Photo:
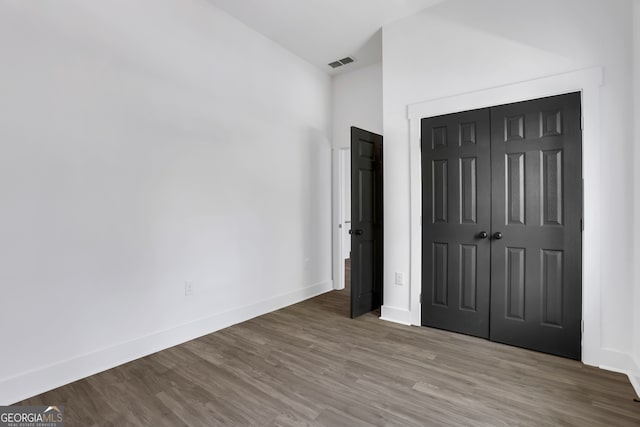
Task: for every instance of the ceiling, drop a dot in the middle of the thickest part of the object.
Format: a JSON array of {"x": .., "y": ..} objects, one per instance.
[{"x": 323, "y": 31}]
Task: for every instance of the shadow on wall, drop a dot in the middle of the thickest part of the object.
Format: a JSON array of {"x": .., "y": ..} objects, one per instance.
[
  {"x": 371, "y": 51},
  {"x": 488, "y": 17}
]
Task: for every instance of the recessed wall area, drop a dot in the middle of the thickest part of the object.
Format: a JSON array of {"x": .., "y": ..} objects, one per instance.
[{"x": 484, "y": 50}]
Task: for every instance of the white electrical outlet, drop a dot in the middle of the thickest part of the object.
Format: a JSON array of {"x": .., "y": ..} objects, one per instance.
[
  {"x": 188, "y": 289},
  {"x": 399, "y": 279}
]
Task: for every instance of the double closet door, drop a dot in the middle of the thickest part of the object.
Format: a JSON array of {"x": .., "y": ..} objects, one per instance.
[{"x": 502, "y": 224}]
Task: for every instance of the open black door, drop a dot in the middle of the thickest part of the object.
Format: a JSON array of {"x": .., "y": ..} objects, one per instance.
[{"x": 366, "y": 221}]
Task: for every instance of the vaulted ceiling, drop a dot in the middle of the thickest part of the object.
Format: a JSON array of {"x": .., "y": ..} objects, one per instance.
[{"x": 322, "y": 31}]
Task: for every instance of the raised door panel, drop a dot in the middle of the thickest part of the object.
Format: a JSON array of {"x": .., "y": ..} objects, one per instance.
[
  {"x": 550, "y": 123},
  {"x": 440, "y": 274},
  {"x": 440, "y": 191},
  {"x": 552, "y": 282},
  {"x": 467, "y": 133},
  {"x": 551, "y": 195},
  {"x": 514, "y": 128},
  {"x": 515, "y": 191},
  {"x": 468, "y": 277},
  {"x": 439, "y": 137},
  {"x": 515, "y": 283},
  {"x": 468, "y": 190}
]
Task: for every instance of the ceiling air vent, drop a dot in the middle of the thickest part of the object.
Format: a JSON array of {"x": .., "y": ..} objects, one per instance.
[{"x": 341, "y": 62}]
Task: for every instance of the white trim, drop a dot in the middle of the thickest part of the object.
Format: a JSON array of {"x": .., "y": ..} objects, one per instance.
[
  {"x": 634, "y": 375},
  {"x": 415, "y": 251},
  {"x": 342, "y": 155},
  {"x": 588, "y": 82},
  {"x": 616, "y": 361},
  {"x": 395, "y": 315},
  {"x": 635, "y": 383},
  {"x": 28, "y": 384}
]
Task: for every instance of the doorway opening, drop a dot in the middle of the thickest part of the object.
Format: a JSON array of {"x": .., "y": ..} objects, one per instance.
[{"x": 344, "y": 219}]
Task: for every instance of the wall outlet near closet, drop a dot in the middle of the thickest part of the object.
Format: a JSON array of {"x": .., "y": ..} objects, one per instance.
[
  {"x": 188, "y": 289},
  {"x": 399, "y": 278}
]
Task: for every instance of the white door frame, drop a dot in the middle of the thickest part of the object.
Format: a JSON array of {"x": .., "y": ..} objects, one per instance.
[{"x": 588, "y": 82}]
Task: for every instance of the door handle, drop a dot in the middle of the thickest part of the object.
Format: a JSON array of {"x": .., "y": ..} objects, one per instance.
[
  {"x": 357, "y": 232},
  {"x": 483, "y": 235},
  {"x": 497, "y": 235}
]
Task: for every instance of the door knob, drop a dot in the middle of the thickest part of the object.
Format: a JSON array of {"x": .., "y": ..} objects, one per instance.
[
  {"x": 497, "y": 235},
  {"x": 357, "y": 232},
  {"x": 483, "y": 235}
]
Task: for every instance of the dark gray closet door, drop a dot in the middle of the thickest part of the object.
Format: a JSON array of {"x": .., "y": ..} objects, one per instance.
[
  {"x": 514, "y": 172},
  {"x": 456, "y": 221},
  {"x": 536, "y": 275}
]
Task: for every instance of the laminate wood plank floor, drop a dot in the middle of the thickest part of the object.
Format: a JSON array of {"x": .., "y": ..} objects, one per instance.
[{"x": 310, "y": 365}]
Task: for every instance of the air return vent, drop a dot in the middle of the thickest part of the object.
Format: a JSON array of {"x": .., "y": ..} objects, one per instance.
[{"x": 341, "y": 62}]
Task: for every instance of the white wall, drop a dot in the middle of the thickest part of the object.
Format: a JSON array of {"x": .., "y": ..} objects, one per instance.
[
  {"x": 357, "y": 101},
  {"x": 462, "y": 46},
  {"x": 636, "y": 120},
  {"x": 144, "y": 145}
]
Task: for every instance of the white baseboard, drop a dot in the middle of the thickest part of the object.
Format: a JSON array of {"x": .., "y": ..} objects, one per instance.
[
  {"x": 634, "y": 376},
  {"x": 37, "y": 381},
  {"x": 396, "y": 315},
  {"x": 635, "y": 382},
  {"x": 617, "y": 361}
]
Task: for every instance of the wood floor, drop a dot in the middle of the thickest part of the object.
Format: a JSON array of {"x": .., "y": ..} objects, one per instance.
[{"x": 309, "y": 364}]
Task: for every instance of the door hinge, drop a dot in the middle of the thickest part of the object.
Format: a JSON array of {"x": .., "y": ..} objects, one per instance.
[
  {"x": 582, "y": 326},
  {"x": 581, "y": 122},
  {"x": 581, "y": 225},
  {"x": 420, "y": 298}
]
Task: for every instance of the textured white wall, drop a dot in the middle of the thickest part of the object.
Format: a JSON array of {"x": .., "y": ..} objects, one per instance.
[
  {"x": 143, "y": 145},
  {"x": 463, "y": 46}
]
